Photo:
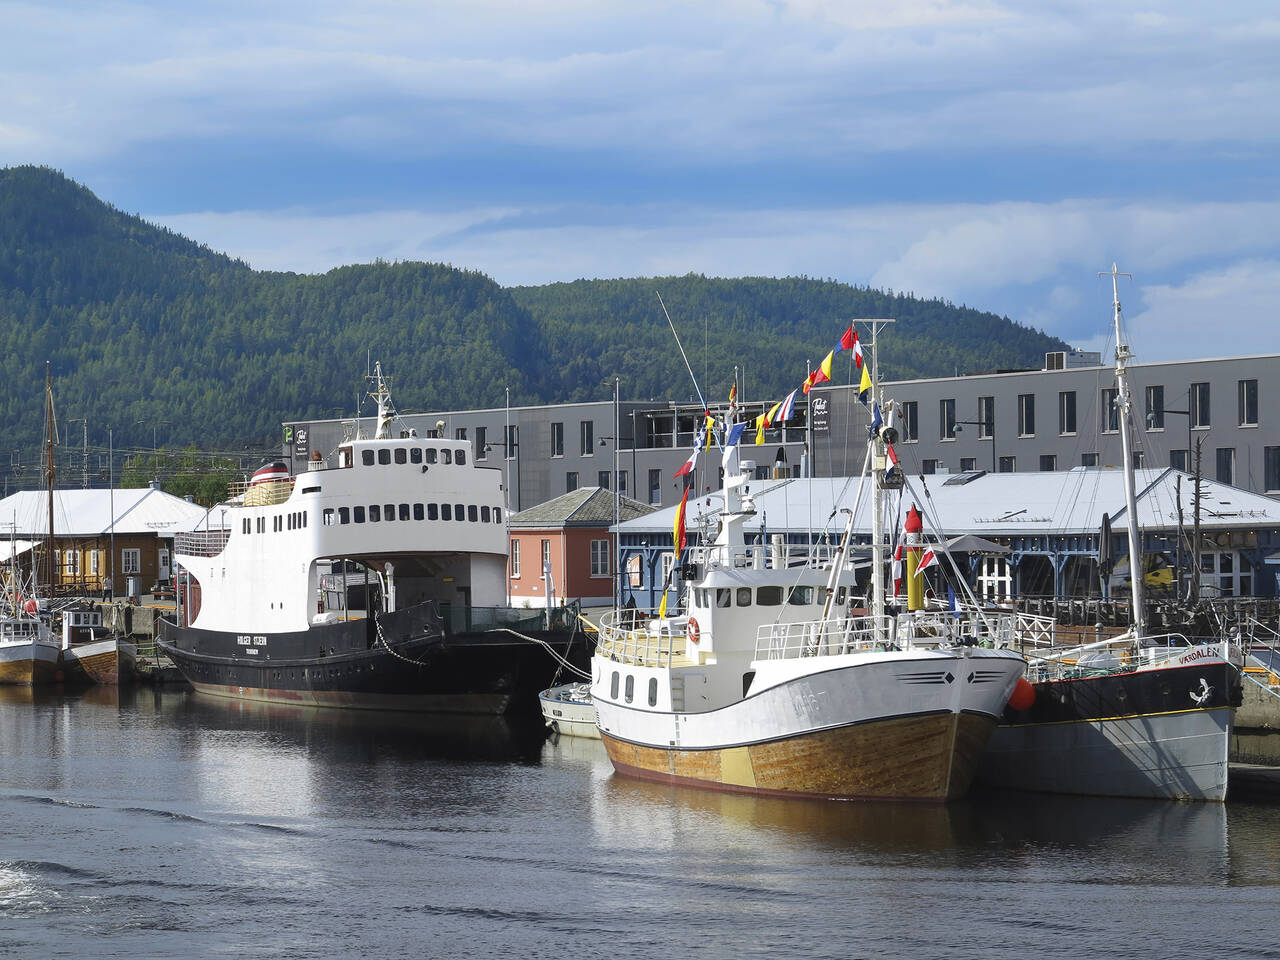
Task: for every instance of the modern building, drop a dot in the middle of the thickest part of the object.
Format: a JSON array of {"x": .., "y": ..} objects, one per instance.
[
  {"x": 563, "y": 550},
  {"x": 1027, "y": 421}
]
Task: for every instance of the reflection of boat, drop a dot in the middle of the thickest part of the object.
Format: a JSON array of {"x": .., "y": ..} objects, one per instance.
[
  {"x": 1133, "y": 716},
  {"x": 569, "y": 711},
  {"x": 773, "y": 685},
  {"x": 363, "y": 586},
  {"x": 89, "y": 654}
]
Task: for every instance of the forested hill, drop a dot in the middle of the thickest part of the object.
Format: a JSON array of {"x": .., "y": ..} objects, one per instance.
[{"x": 157, "y": 336}]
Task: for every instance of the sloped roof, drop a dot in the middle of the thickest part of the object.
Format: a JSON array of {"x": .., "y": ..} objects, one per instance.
[
  {"x": 90, "y": 513},
  {"x": 992, "y": 504},
  {"x": 584, "y": 507}
]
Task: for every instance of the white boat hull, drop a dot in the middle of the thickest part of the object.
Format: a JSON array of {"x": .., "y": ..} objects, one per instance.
[
  {"x": 568, "y": 717},
  {"x": 29, "y": 662},
  {"x": 862, "y": 725}
]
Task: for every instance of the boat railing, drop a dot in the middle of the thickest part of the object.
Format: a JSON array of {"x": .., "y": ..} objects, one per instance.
[
  {"x": 760, "y": 555},
  {"x": 201, "y": 543},
  {"x": 635, "y": 637},
  {"x": 822, "y": 638},
  {"x": 1261, "y": 649},
  {"x": 1114, "y": 654}
]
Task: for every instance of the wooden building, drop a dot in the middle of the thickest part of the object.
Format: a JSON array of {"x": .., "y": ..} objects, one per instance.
[{"x": 98, "y": 535}]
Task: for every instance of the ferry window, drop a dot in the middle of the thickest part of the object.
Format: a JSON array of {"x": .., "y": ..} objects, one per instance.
[
  {"x": 328, "y": 517},
  {"x": 613, "y": 686},
  {"x": 723, "y": 596},
  {"x": 289, "y": 520},
  {"x": 653, "y": 691},
  {"x": 389, "y": 511},
  {"x": 473, "y": 514},
  {"x": 384, "y": 456},
  {"x": 800, "y": 596},
  {"x": 433, "y": 511},
  {"x": 357, "y": 514},
  {"x": 417, "y": 511},
  {"x": 497, "y": 514},
  {"x": 344, "y": 515},
  {"x": 459, "y": 512},
  {"x": 446, "y": 456},
  {"x": 630, "y": 688},
  {"x": 415, "y": 455},
  {"x": 460, "y": 458},
  {"x": 430, "y": 454},
  {"x": 244, "y": 525},
  {"x": 769, "y": 596},
  {"x": 484, "y": 515},
  {"x": 404, "y": 511},
  {"x": 304, "y": 518},
  {"x": 366, "y": 457},
  {"x": 262, "y": 524},
  {"x": 402, "y": 455},
  {"x": 446, "y": 511},
  {"x": 375, "y": 513},
  {"x": 744, "y": 597}
]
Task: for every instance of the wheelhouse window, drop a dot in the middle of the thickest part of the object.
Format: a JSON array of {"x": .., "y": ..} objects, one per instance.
[
  {"x": 431, "y": 454},
  {"x": 401, "y": 455},
  {"x": 366, "y": 457},
  {"x": 384, "y": 456},
  {"x": 357, "y": 514}
]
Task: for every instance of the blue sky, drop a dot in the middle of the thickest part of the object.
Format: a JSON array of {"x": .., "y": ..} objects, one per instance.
[{"x": 995, "y": 154}]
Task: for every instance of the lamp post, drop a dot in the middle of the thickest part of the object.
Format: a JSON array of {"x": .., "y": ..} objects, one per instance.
[{"x": 990, "y": 426}]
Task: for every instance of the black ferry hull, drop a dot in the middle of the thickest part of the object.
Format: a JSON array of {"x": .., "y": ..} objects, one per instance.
[{"x": 406, "y": 660}]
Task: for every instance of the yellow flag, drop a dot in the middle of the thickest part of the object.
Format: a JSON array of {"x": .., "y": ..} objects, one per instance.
[
  {"x": 760, "y": 430},
  {"x": 865, "y": 386}
]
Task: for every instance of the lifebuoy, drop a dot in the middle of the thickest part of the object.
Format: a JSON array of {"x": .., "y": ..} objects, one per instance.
[{"x": 693, "y": 630}]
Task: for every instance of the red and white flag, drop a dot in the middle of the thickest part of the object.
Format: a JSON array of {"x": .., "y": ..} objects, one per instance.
[
  {"x": 897, "y": 568},
  {"x": 926, "y": 561}
]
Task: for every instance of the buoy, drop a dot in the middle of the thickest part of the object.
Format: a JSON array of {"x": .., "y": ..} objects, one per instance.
[
  {"x": 693, "y": 632},
  {"x": 30, "y": 606},
  {"x": 1023, "y": 696}
]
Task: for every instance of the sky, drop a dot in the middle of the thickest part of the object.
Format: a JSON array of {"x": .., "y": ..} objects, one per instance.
[{"x": 992, "y": 154}]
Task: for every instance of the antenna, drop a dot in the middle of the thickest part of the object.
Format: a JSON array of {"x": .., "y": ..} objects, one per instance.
[{"x": 682, "y": 353}]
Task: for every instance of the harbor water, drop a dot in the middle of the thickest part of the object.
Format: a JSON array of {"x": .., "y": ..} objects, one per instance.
[{"x": 144, "y": 823}]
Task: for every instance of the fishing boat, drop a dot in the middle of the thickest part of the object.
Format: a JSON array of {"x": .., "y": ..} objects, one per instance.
[
  {"x": 569, "y": 711},
  {"x": 773, "y": 682},
  {"x": 1138, "y": 715},
  {"x": 90, "y": 654},
  {"x": 378, "y": 583}
]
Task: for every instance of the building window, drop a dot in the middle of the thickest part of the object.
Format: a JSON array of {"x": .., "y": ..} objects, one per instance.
[
  {"x": 655, "y": 487},
  {"x": 929, "y": 467},
  {"x": 513, "y": 441},
  {"x": 1155, "y": 408},
  {"x": 1048, "y": 462},
  {"x": 946, "y": 419},
  {"x": 1248, "y": 403},
  {"x": 1067, "y": 413},
  {"x": 571, "y": 481},
  {"x": 94, "y": 560},
  {"x": 131, "y": 560},
  {"x": 1026, "y": 414},
  {"x": 968, "y": 464},
  {"x": 1088, "y": 459},
  {"x": 482, "y": 445},
  {"x": 599, "y": 558},
  {"x": 460, "y": 433},
  {"x": 557, "y": 439},
  {"x": 546, "y": 558},
  {"x": 668, "y": 562},
  {"x": 602, "y": 479},
  {"x": 515, "y": 558},
  {"x": 1109, "y": 412},
  {"x": 587, "y": 436},
  {"x": 911, "y": 421},
  {"x": 1226, "y": 464},
  {"x": 986, "y": 417},
  {"x": 1139, "y": 459},
  {"x": 1199, "y": 406},
  {"x": 1179, "y": 460},
  {"x": 1271, "y": 469},
  {"x": 622, "y": 481},
  {"x": 1008, "y": 464}
]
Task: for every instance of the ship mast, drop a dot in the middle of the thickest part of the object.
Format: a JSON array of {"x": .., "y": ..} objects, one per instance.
[
  {"x": 49, "y": 470},
  {"x": 878, "y": 464},
  {"x": 381, "y": 393},
  {"x": 1137, "y": 571}
]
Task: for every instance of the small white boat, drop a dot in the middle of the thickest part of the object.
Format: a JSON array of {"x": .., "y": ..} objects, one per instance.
[
  {"x": 569, "y": 710},
  {"x": 89, "y": 653},
  {"x": 28, "y": 651}
]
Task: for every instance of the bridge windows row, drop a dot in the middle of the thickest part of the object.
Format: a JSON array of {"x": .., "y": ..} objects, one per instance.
[{"x": 385, "y": 456}]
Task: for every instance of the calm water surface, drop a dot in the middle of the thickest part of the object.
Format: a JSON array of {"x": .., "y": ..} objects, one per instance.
[{"x": 165, "y": 824}]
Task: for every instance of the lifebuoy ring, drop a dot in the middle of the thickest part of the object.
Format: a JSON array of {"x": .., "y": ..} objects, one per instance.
[{"x": 693, "y": 630}]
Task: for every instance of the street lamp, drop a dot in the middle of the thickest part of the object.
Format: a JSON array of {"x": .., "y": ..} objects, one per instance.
[
  {"x": 990, "y": 426},
  {"x": 1195, "y": 499}
]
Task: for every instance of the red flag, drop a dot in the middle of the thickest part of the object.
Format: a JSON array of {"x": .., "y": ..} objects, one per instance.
[
  {"x": 677, "y": 532},
  {"x": 897, "y": 567},
  {"x": 926, "y": 561},
  {"x": 857, "y": 350},
  {"x": 848, "y": 338}
]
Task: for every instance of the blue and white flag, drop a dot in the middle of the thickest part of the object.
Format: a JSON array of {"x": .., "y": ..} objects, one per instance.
[
  {"x": 876, "y": 420},
  {"x": 729, "y": 459}
]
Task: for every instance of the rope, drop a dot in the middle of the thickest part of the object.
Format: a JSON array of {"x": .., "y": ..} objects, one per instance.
[{"x": 542, "y": 643}]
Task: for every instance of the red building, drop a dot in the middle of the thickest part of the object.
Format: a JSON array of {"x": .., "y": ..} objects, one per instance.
[{"x": 568, "y": 538}]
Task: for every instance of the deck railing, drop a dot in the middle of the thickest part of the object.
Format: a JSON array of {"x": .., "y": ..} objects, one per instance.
[
  {"x": 201, "y": 543},
  {"x": 628, "y": 636}
]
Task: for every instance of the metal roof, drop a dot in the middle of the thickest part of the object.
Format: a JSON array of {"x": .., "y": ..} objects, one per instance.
[
  {"x": 89, "y": 513},
  {"x": 991, "y": 505}
]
